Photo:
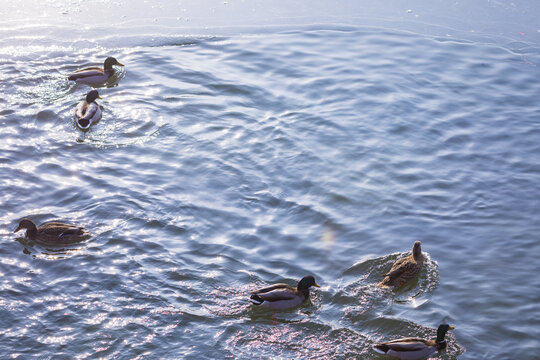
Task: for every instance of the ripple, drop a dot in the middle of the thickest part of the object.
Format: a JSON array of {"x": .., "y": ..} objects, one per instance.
[
  {"x": 293, "y": 340},
  {"x": 226, "y": 163}
]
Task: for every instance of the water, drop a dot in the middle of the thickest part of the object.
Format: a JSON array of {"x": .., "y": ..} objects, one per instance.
[{"x": 236, "y": 158}]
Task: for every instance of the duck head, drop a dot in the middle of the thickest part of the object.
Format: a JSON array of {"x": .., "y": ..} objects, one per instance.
[
  {"x": 442, "y": 330},
  {"x": 27, "y": 224},
  {"x": 306, "y": 282},
  {"x": 417, "y": 249},
  {"x": 92, "y": 96},
  {"x": 109, "y": 62}
]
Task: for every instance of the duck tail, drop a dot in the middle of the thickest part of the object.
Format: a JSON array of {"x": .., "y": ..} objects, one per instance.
[
  {"x": 385, "y": 282},
  {"x": 256, "y": 299},
  {"x": 84, "y": 123},
  {"x": 380, "y": 348}
]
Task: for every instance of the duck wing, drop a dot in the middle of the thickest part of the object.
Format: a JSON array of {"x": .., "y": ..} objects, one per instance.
[
  {"x": 276, "y": 292},
  {"x": 409, "y": 269},
  {"x": 402, "y": 271},
  {"x": 397, "y": 269},
  {"x": 86, "y": 73},
  {"x": 81, "y": 109},
  {"x": 59, "y": 229},
  {"x": 72, "y": 232},
  {"x": 403, "y": 266},
  {"x": 274, "y": 287},
  {"x": 86, "y": 114},
  {"x": 86, "y": 110},
  {"x": 407, "y": 348},
  {"x": 90, "y": 68},
  {"x": 277, "y": 295},
  {"x": 406, "y": 344}
]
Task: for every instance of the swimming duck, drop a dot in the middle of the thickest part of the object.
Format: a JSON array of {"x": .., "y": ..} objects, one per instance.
[
  {"x": 87, "y": 112},
  {"x": 283, "y": 296},
  {"x": 404, "y": 269},
  {"x": 414, "y": 348},
  {"x": 52, "y": 233},
  {"x": 94, "y": 74}
]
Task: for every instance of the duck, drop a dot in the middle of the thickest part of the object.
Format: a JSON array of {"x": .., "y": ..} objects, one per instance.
[
  {"x": 414, "y": 348},
  {"x": 94, "y": 74},
  {"x": 87, "y": 111},
  {"x": 282, "y": 296},
  {"x": 405, "y": 268},
  {"x": 52, "y": 233}
]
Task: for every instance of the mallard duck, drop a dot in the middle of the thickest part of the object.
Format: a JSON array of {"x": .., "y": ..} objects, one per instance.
[
  {"x": 414, "y": 348},
  {"x": 87, "y": 111},
  {"x": 283, "y": 296},
  {"x": 404, "y": 269},
  {"x": 52, "y": 233},
  {"x": 94, "y": 74}
]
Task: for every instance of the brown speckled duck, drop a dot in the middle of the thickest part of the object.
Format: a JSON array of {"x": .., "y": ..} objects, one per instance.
[
  {"x": 283, "y": 296},
  {"x": 404, "y": 269},
  {"x": 414, "y": 348},
  {"x": 94, "y": 74},
  {"x": 52, "y": 233}
]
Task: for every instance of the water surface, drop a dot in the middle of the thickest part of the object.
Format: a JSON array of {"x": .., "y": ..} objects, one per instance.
[{"x": 229, "y": 160}]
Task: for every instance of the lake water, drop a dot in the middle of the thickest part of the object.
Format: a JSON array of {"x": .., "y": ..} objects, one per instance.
[{"x": 228, "y": 158}]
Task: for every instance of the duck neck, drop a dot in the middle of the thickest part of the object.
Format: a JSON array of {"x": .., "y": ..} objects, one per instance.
[
  {"x": 441, "y": 345},
  {"x": 304, "y": 292},
  {"x": 31, "y": 232},
  {"x": 441, "y": 333}
]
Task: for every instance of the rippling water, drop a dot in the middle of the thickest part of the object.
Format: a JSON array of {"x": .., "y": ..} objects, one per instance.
[{"x": 225, "y": 163}]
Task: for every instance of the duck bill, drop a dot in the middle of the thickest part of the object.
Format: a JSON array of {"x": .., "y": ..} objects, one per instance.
[
  {"x": 17, "y": 229},
  {"x": 119, "y": 64},
  {"x": 99, "y": 97},
  {"x": 451, "y": 328},
  {"x": 316, "y": 285}
]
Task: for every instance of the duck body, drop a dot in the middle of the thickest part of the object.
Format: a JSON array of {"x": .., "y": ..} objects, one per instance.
[
  {"x": 282, "y": 296},
  {"x": 407, "y": 348},
  {"x": 404, "y": 269},
  {"x": 87, "y": 111},
  {"x": 91, "y": 75},
  {"x": 94, "y": 74},
  {"x": 414, "y": 348},
  {"x": 53, "y": 233}
]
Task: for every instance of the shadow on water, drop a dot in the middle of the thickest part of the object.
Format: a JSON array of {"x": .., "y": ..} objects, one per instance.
[{"x": 57, "y": 252}]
